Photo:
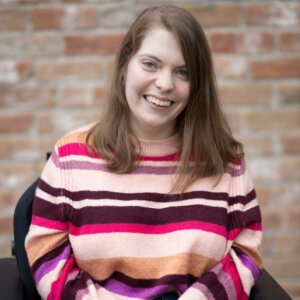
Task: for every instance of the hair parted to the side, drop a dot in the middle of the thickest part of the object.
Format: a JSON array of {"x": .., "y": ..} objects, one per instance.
[{"x": 202, "y": 127}]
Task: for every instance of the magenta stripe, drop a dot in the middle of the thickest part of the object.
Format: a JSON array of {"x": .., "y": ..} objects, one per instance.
[
  {"x": 80, "y": 149},
  {"x": 50, "y": 265},
  {"x": 39, "y": 221},
  {"x": 147, "y": 229},
  {"x": 128, "y": 291}
]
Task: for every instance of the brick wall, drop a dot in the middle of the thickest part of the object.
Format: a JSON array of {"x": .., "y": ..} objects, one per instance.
[{"x": 55, "y": 59}]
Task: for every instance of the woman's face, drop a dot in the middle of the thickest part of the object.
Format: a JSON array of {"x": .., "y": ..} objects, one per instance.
[{"x": 157, "y": 85}]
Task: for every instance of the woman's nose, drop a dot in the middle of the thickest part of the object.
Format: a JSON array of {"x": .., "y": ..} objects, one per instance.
[{"x": 165, "y": 80}]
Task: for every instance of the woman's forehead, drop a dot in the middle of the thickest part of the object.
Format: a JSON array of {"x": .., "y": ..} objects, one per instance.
[{"x": 162, "y": 44}]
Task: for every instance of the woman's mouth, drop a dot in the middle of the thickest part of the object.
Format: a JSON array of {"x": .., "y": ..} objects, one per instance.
[{"x": 158, "y": 102}]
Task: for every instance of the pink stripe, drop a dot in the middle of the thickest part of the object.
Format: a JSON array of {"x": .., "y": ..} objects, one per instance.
[
  {"x": 234, "y": 233},
  {"x": 49, "y": 223},
  {"x": 58, "y": 285},
  {"x": 147, "y": 229},
  {"x": 230, "y": 268}
]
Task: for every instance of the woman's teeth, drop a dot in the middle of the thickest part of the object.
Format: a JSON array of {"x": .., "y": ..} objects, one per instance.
[{"x": 158, "y": 102}]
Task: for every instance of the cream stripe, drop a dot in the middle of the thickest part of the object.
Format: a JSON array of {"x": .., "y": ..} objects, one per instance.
[
  {"x": 130, "y": 244},
  {"x": 96, "y": 180},
  {"x": 183, "y": 263}
]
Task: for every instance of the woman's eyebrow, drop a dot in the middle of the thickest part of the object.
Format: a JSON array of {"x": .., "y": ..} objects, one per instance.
[{"x": 157, "y": 59}]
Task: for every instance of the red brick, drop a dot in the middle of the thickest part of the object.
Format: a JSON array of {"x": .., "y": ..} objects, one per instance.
[
  {"x": 119, "y": 16},
  {"x": 234, "y": 118},
  {"x": 27, "y": 98},
  {"x": 15, "y": 123},
  {"x": 64, "y": 17},
  {"x": 245, "y": 94},
  {"x": 29, "y": 45},
  {"x": 286, "y": 194},
  {"x": 216, "y": 15},
  {"x": 263, "y": 195},
  {"x": 25, "y": 148},
  {"x": 250, "y": 42},
  {"x": 287, "y": 244},
  {"x": 283, "y": 267},
  {"x": 14, "y": 71},
  {"x": 52, "y": 123},
  {"x": 290, "y": 143},
  {"x": 290, "y": 170},
  {"x": 289, "y": 94},
  {"x": 290, "y": 42},
  {"x": 5, "y": 248},
  {"x": 273, "y": 119},
  {"x": 14, "y": 175},
  {"x": 93, "y": 44},
  {"x": 257, "y": 145},
  {"x": 6, "y": 225},
  {"x": 9, "y": 198},
  {"x": 12, "y": 19},
  {"x": 272, "y": 219},
  {"x": 231, "y": 67},
  {"x": 83, "y": 96},
  {"x": 276, "y": 14},
  {"x": 57, "y": 70},
  {"x": 276, "y": 68}
]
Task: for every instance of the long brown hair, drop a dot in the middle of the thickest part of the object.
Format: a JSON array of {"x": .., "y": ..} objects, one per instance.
[{"x": 202, "y": 127}]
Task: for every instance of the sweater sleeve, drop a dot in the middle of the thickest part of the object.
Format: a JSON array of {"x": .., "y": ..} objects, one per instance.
[
  {"x": 233, "y": 277},
  {"x": 47, "y": 243}
]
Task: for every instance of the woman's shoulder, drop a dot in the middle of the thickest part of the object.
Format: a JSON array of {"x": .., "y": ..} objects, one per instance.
[
  {"x": 73, "y": 143},
  {"x": 76, "y": 136}
]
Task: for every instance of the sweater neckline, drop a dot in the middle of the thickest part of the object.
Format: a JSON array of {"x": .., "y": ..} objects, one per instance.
[{"x": 155, "y": 148}]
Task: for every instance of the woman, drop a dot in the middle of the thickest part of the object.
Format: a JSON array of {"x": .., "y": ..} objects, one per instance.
[{"x": 153, "y": 201}]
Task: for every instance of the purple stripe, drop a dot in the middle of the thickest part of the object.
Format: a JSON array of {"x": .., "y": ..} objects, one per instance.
[
  {"x": 203, "y": 288},
  {"x": 235, "y": 172},
  {"x": 226, "y": 281},
  {"x": 86, "y": 165},
  {"x": 51, "y": 265},
  {"x": 249, "y": 264},
  {"x": 128, "y": 291}
]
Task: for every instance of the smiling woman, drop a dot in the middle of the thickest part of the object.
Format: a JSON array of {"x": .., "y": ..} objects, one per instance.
[
  {"x": 153, "y": 201},
  {"x": 155, "y": 89}
]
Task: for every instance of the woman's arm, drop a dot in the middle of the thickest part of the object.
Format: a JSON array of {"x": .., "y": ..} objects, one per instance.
[
  {"x": 233, "y": 277},
  {"x": 48, "y": 246}
]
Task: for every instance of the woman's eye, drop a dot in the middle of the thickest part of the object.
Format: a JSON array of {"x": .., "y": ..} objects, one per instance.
[
  {"x": 183, "y": 74},
  {"x": 148, "y": 64}
]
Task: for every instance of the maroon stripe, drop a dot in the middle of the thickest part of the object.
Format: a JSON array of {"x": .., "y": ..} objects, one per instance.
[
  {"x": 134, "y": 214},
  {"x": 211, "y": 280},
  {"x": 242, "y": 219},
  {"x": 149, "y": 283},
  {"x": 242, "y": 199},
  {"x": 155, "y": 197}
]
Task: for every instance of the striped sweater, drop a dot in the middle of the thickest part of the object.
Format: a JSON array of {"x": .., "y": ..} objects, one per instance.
[{"x": 95, "y": 234}]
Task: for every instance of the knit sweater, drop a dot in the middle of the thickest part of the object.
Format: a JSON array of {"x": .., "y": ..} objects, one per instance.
[{"x": 96, "y": 234}]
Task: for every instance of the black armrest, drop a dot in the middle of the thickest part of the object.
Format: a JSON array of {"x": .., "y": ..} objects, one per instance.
[
  {"x": 266, "y": 288},
  {"x": 10, "y": 283}
]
